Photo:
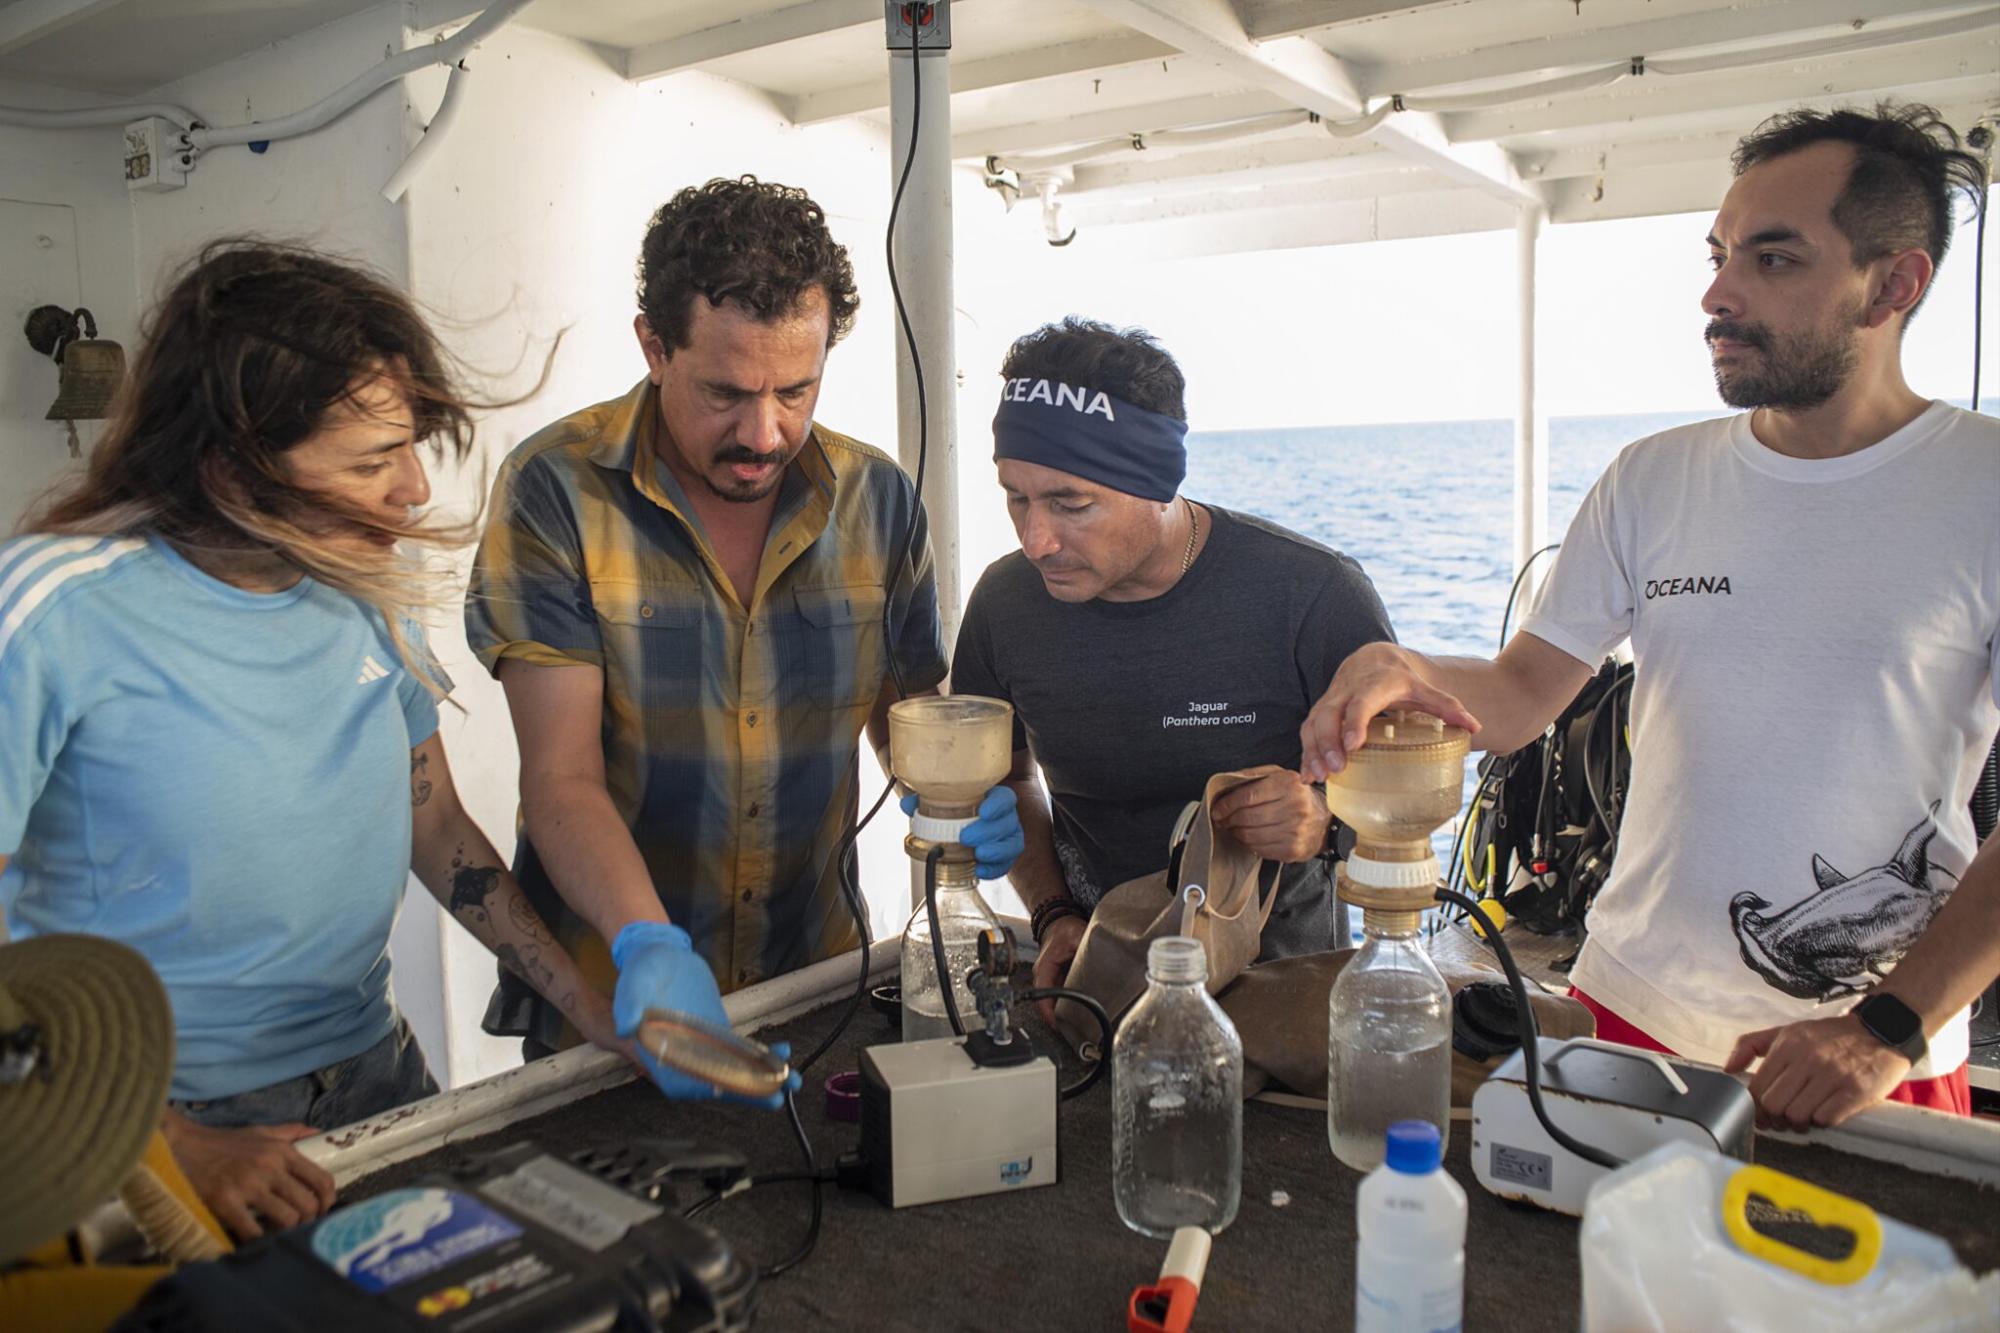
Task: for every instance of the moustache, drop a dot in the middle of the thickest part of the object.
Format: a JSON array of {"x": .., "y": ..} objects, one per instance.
[
  {"x": 1750, "y": 335},
  {"x": 737, "y": 453}
]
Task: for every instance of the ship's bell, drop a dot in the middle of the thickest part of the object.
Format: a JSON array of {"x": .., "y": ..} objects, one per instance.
[{"x": 90, "y": 368}]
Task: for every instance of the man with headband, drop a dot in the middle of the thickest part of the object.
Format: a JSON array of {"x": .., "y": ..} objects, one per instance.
[{"x": 1147, "y": 642}]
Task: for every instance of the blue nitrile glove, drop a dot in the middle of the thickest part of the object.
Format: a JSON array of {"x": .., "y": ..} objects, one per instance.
[
  {"x": 659, "y": 969},
  {"x": 995, "y": 837}
]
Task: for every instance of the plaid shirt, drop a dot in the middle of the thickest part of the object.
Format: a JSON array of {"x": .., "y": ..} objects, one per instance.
[{"x": 730, "y": 734}]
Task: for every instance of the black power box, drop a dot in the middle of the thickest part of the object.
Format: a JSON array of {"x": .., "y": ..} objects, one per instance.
[{"x": 514, "y": 1240}]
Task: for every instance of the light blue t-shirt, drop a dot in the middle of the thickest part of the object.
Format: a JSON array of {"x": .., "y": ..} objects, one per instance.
[{"x": 219, "y": 779}]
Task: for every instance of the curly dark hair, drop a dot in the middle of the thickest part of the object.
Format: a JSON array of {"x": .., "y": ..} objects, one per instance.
[
  {"x": 1126, "y": 363},
  {"x": 1907, "y": 165},
  {"x": 762, "y": 244}
]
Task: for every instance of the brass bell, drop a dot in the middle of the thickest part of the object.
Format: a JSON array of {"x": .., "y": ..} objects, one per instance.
[{"x": 91, "y": 368}]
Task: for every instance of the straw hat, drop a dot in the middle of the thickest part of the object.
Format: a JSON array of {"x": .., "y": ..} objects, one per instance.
[{"x": 86, "y": 1054}]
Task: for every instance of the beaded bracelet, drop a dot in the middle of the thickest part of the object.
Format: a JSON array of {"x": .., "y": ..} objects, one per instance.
[{"x": 1052, "y": 910}]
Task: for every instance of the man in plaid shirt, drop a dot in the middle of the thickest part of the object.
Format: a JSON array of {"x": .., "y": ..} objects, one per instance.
[{"x": 696, "y": 600}]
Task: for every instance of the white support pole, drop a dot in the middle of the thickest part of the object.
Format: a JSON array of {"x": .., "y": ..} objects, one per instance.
[
  {"x": 1531, "y": 423},
  {"x": 920, "y": 104}
]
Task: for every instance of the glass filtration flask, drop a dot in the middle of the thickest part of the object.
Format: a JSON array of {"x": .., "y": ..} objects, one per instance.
[
  {"x": 962, "y": 915},
  {"x": 1177, "y": 1100},
  {"x": 1388, "y": 1054}
]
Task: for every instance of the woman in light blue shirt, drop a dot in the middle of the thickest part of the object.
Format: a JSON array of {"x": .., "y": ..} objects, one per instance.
[{"x": 218, "y": 717}]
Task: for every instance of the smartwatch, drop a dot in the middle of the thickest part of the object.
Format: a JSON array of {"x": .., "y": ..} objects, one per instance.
[{"x": 1894, "y": 1024}]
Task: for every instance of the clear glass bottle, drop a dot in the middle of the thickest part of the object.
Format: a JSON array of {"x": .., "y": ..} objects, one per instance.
[
  {"x": 1177, "y": 1100},
  {"x": 962, "y": 915},
  {"x": 1388, "y": 1045}
]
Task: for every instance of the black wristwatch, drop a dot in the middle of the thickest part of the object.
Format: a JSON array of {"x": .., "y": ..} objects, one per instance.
[{"x": 1894, "y": 1024}]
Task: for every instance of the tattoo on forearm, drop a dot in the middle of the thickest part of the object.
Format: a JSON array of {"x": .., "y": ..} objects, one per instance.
[
  {"x": 471, "y": 886},
  {"x": 526, "y": 964},
  {"x": 526, "y": 920},
  {"x": 420, "y": 782}
]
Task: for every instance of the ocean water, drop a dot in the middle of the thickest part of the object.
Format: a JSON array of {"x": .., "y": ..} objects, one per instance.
[{"x": 1427, "y": 508}]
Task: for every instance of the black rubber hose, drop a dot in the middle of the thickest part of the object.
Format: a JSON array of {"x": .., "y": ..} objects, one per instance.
[
  {"x": 1530, "y": 1057},
  {"x": 937, "y": 942},
  {"x": 1097, "y": 1012}
]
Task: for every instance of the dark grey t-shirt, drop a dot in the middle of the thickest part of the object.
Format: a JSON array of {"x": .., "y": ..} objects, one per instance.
[{"x": 1130, "y": 707}]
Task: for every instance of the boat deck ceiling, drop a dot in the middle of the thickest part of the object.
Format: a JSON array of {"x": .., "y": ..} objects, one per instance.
[
  {"x": 1059, "y": 1258},
  {"x": 1523, "y": 101}
]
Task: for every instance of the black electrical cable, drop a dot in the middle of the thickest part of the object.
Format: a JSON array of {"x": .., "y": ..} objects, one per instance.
[
  {"x": 847, "y": 885},
  {"x": 945, "y": 986},
  {"x": 1507, "y": 616},
  {"x": 1098, "y": 1012},
  {"x": 754, "y": 1182},
  {"x": 1979, "y": 273},
  {"x": 798, "y": 1256},
  {"x": 916, "y": 357},
  {"x": 1531, "y": 1059},
  {"x": 848, "y": 889},
  {"x": 852, "y": 893}
]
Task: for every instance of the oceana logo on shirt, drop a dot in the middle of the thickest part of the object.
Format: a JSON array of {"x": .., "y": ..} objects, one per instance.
[
  {"x": 1090, "y": 402},
  {"x": 1686, "y": 587}
]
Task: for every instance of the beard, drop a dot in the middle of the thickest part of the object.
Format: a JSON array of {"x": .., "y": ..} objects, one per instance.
[{"x": 1791, "y": 371}]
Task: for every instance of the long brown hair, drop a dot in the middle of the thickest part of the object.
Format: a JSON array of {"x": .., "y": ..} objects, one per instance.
[{"x": 253, "y": 346}]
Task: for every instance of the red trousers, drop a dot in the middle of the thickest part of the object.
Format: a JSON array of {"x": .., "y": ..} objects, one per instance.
[{"x": 1951, "y": 1093}]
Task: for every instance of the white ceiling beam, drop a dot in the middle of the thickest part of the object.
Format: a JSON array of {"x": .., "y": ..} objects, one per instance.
[
  {"x": 1916, "y": 73},
  {"x": 1392, "y": 217},
  {"x": 27, "y": 21},
  {"x": 1018, "y": 67},
  {"x": 1235, "y": 166},
  {"x": 1685, "y": 187},
  {"x": 1656, "y": 37},
  {"x": 1398, "y": 178},
  {"x": 1619, "y": 156},
  {"x": 1266, "y": 19},
  {"x": 1306, "y": 75},
  {"x": 812, "y": 18},
  {"x": 1061, "y": 131}
]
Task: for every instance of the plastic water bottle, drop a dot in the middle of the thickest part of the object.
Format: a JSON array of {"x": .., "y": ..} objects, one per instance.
[
  {"x": 1409, "y": 1263},
  {"x": 1176, "y": 1100},
  {"x": 1388, "y": 1054},
  {"x": 962, "y": 915}
]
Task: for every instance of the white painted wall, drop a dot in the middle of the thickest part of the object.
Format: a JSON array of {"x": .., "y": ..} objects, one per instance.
[{"x": 65, "y": 239}]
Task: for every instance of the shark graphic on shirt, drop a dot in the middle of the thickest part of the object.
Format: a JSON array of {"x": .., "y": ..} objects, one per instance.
[{"x": 1845, "y": 936}]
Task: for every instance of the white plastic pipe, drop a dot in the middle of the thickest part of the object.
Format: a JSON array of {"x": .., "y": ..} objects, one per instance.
[
  {"x": 1531, "y": 426},
  {"x": 365, "y": 85},
  {"x": 94, "y": 117},
  {"x": 426, "y": 149}
]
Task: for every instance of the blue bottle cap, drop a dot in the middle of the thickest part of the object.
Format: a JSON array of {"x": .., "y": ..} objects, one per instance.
[{"x": 1415, "y": 1147}]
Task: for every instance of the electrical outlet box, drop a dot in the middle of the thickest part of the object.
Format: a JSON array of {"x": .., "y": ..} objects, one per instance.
[
  {"x": 156, "y": 156},
  {"x": 928, "y": 24}
]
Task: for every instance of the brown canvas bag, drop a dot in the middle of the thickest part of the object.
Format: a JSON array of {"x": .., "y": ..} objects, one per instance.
[
  {"x": 1280, "y": 1011},
  {"x": 1110, "y": 964}
]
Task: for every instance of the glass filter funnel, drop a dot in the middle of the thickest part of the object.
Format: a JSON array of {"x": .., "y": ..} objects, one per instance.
[
  {"x": 951, "y": 750},
  {"x": 1404, "y": 783}
]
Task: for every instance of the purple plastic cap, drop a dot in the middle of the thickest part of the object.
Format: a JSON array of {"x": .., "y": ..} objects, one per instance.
[{"x": 1415, "y": 1147}]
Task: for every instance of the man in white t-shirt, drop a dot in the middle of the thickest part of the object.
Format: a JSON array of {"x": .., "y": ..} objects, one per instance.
[{"x": 1812, "y": 592}]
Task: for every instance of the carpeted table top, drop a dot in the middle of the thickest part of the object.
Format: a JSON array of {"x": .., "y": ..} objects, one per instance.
[{"x": 1058, "y": 1258}]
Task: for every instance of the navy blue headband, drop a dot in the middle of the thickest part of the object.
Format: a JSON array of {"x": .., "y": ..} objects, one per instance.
[{"x": 1092, "y": 435}]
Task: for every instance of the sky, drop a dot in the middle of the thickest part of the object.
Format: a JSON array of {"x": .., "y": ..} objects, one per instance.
[{"x": 1425, "y": 330}]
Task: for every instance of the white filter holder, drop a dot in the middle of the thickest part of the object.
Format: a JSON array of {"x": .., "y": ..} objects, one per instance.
[
  {"x": 1394, "y": 874},
  {"x": 938, "y": 830}
]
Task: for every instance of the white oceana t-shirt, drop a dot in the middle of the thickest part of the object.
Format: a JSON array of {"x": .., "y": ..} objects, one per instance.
[{"x": 1818, "y": 683}]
